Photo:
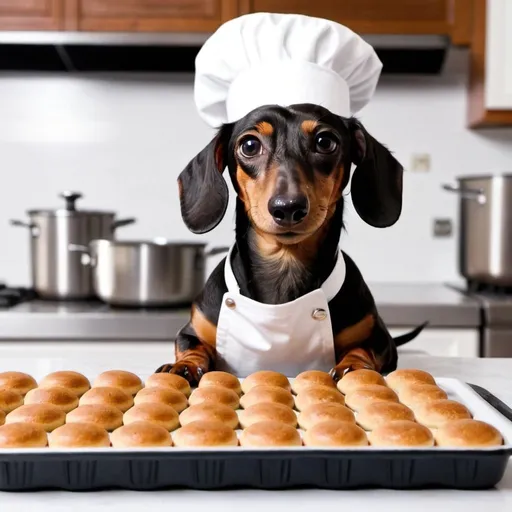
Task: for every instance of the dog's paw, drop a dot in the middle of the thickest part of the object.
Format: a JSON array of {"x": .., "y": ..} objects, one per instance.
[
  {"x": 338, "y": 372},
  {"x": 189, "y": 371}
]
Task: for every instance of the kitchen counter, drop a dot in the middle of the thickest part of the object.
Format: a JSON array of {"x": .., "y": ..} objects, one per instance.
[
  {"x": 401, "y": 305},
  {"x": 489, "y": 373}
]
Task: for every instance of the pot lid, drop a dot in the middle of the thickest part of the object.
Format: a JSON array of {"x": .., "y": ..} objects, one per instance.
[{"x": 69, "y": 209}]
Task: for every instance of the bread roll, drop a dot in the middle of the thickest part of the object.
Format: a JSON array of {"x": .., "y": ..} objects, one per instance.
[
  {"x": 210, "y": 412},
  {"x": 358, "y": 378},
  {"x": 107, "y": 396},
  {"x": 267, "y": 394},
  {"x": 327, "y": 411},
  {"x": 361, "y": 397},
  {"x": 158, "y": 414},
  {"x": 9, "y": 400},
  {"x": 79, "y": 435},
  {"x": 169, "y": 380},
  {"x": 168, "y": 396},
  {"x": 335, "y": 433},
  {"x": 318, "y": 395},
  {"x": 401, "y": 433},
  {"x": 72, "y": 381},
  {"x": 265, "y": 378},
  {"x": 205, "y": 433},
  {"x": 120, "y": 379},
  {"x": 405, "y": 376},
  {"x": 468, "y": 433},
  {"x": 380, "y": 413},
  {"x": 416, "y": 394},
  {"x": 435, "y": 414},
  {"x": 105, "y": 416},
  {"x": 222, "y": 379},
  {"x": 214, "y": 395},
  {"x": 140, "y": 434},
  {"x": 60, "y": 397},
  {"x": 267, "y": 412},
  {"x": 270, "y": 433},
  {"x": 22, "y": 435},
  {"x": 17, "y": 381},
  {"x": 47, "y": 416},
  {"x": 311, "y": 378},
  {"x": 2, "y": 417}
]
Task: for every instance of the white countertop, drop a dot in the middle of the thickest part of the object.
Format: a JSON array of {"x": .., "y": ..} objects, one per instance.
[{"x": 493, "y": 374}]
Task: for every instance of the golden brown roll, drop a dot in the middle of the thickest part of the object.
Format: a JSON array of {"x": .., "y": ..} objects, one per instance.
[
  {"x": 222, "y": 379},
  {"x": 363, "y": 396},
  {"x": 379, "y": 413},
  {"x": 267, "y": 394},
  {"x": 205, "y": 433},
  {"x": 210, "y": 412},
  {"x": 267, "y": 412},
  {"x": 405, "y": 376},
  {"x": 359, "y": 378},
  {"x": 401, "y": 433},
  {"x": 79, "y": 435},
  {"x": 60, "y": 397},
  {"x": 2, "y": 417},
  {"x": 169, "y": 380},
  {"x": 22, "y": 435},
  {"x": 120, "y": 379},
  {"x": 270, "y": 433},
  {"x": 105, "y": 416},
  {"x": 73, "y": 381},
  {"x": 327, "y": 411},
  {"x": 17, "y": 381},
  {"x": 47, "y": 416},
  {"x": 214, "y": 395},
  {"x": 318, "y": 395},
  {"x": 311, "y": 378},
  {"x": 265, "y": 378},
  {"x": 335, "y": 433},
  {"x": 140, "y": 434},
  {"x": 468, "y": 433},
  {"x": 158, "y": 414},
  {"x": 168, "y": 396},
  {"x": 435, "y": 414},
  {"x": 9, "y": 400},
  {"x": 416, "y": 394},
  {"x": 107, "y": 396}
]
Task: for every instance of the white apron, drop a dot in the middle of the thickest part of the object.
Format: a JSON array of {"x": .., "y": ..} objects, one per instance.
[{"x": 289, "y": 338}]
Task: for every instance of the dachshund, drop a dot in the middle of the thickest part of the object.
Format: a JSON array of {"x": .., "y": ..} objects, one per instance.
[{"x": 289, "y": 168}]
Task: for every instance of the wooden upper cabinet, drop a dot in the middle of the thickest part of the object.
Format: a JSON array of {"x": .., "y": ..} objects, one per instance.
[
  {"x": 149, "y": 15},
  {"x": 31, "y": 14}
]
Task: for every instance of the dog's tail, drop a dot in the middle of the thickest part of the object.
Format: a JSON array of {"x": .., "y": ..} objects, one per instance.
[{"x": 409, "y": 336}]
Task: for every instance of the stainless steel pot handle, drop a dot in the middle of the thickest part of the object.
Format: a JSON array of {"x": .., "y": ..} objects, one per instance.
[
  {"x": 216, "y": 250},
  {"x": 123, "y": 222},
  {"x": 86, "y": 259},
  {"x": 467, "y": 193},
  {"x": 34, "y": 228}
]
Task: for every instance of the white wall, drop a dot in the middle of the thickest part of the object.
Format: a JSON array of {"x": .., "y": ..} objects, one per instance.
[{"x": 122, "y": 142}]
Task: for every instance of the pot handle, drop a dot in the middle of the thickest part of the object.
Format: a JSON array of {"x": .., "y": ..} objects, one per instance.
[
  {"x": 467, "y": 193},
  {"x": 86, "y": 258},
  {"x": 34, "y": 228},
  {"x": 216, "y": 250},
  {"x": 123, "y": 222}
]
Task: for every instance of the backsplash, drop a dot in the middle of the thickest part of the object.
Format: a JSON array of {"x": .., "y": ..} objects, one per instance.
[{"x": 122, "y": 142}]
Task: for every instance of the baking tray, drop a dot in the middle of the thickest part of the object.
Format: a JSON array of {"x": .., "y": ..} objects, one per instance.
[{"x": 278, "y": 468}]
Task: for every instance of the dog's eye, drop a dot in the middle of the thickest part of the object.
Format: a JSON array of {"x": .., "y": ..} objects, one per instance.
[
  {"x": 326, "y": 143},
  {"x": 250, "y": 146}
]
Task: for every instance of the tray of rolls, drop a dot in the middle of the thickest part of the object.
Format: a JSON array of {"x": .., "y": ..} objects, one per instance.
[{"x": 115, "y": 430}]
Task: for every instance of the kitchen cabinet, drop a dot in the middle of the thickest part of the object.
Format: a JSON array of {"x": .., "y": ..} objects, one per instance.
[
  {"x": 490, "y": 86},
  {"x": 31, "y": 14}
]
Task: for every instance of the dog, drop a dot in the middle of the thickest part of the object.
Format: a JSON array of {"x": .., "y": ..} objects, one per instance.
[{"x": 289, "y": 167}]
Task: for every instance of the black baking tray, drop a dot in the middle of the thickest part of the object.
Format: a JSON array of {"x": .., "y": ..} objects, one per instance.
[{"x": 273, "y": 469}]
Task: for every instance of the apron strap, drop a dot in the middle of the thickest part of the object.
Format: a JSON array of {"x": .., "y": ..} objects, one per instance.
[{"x": 331, "y": 286}]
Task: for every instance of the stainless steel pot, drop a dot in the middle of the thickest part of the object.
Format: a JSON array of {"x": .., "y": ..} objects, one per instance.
[
  {"x": 146, "y": 273},
  {"x": 485, "y": 234},
  {"x": 58, "y": 273}
]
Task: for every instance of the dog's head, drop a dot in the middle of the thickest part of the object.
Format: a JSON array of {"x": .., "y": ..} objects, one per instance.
[{"x": 289, "y": 167}]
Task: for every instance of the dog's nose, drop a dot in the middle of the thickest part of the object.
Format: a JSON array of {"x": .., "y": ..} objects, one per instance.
[{"x": 288, "y": 210}]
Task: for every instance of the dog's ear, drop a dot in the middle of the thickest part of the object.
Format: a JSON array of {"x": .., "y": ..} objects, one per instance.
[
  {"x": 376, "y": 187},
  {"x": 203, "y": 191}
]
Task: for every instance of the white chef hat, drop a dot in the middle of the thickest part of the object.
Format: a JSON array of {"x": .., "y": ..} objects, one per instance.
[{"x": 283, "y": 59}]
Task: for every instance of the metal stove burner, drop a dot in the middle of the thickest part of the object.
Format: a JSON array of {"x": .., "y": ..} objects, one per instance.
[
  {"x": 11, "y": 296},
  {"x": 474, "y": 287}
]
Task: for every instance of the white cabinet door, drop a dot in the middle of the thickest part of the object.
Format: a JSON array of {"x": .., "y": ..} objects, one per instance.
[
  {"x": 441, "y": 342},
  {"x": 498, "y": 58}
]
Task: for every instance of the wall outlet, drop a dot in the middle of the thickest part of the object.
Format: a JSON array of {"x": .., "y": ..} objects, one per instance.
[
  {"x": 420, "y": 162},
  {"x": 443, "y": 228}
]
